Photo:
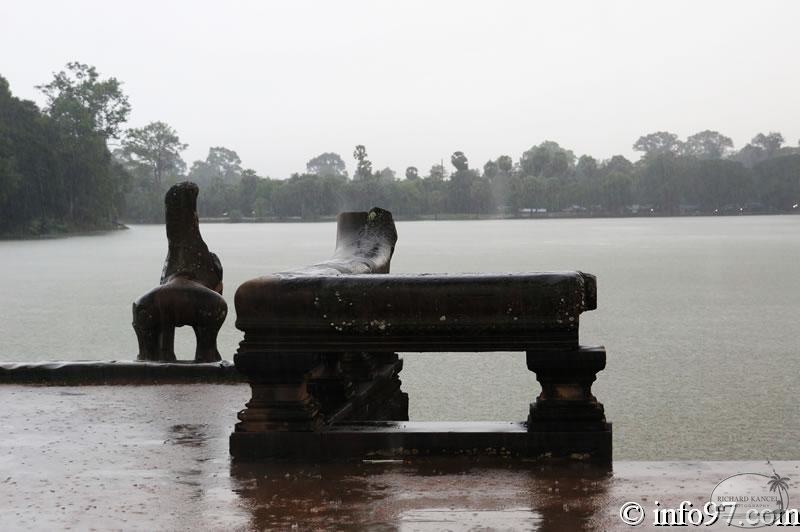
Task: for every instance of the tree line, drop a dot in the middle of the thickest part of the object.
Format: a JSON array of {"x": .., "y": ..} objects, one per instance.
[
  {"x": 71, "y": 165},
  {"x": 56, "y": 171},
  {"x": 702, "y": 174}
]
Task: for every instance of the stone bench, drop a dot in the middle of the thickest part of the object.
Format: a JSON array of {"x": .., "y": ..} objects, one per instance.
[{"x": 303, "y": 329}]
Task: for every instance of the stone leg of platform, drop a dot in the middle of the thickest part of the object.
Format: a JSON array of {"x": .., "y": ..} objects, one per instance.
[
  {"x": 281, "y": 400},
  {"x": 566, "y": 402}
]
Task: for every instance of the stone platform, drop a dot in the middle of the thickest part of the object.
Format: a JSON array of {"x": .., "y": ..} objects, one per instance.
[
  {"x": 95, "y": 372},
  {"x": 157, "y": 458}
]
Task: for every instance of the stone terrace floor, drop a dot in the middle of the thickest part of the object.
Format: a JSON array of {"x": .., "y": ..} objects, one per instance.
[{"x": 156, "y": 458}]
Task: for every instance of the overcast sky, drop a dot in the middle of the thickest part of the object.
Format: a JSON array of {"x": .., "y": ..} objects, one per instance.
[{"x": 281, "y": 82}]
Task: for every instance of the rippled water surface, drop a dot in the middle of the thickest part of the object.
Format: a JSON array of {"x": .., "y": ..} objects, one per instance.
[{"x": 700, "y": 316}]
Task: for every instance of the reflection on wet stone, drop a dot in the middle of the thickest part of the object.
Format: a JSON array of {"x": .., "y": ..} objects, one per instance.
[
  {"x": 190, "y": 435},
  {"x": 67, "y": 459},
  {"x": 427, "y": 494}
]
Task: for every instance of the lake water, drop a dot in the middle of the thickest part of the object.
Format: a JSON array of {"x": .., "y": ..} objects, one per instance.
[{"x": 700, "y": 316}]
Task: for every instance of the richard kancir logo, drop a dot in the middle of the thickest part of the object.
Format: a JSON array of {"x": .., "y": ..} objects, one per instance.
[{"x": 753, "y": 500}]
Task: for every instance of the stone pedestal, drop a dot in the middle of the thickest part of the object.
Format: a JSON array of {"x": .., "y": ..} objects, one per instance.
[
  {"x": 281, "y": 400},
  {"x": 566, "y": 402}
]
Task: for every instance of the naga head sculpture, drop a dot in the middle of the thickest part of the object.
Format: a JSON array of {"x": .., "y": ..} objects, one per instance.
[
  {"x": 188, "y": 255},
  {"x": 190, "y": 292}
]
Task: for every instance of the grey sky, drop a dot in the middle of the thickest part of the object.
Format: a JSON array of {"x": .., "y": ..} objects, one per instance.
[{"x": 280, "y": 82}]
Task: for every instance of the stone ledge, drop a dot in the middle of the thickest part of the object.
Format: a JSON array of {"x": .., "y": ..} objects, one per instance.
[
  {"x": 106, "y": 372},
  {"x": 399, "y": 439}
]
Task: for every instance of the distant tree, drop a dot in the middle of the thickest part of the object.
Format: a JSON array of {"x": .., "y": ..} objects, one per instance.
[
  {"x": 157, "y": 147},
  {"x": 412, "y": 174},
  {"x": 30, "y": 187},
  {"x": 618, "y": 163},
  {"x": 661, "y": 180},
  {"x": 221, "y": 164},
  {"x": 10, "y": 179},
  {"x": 749, "y": 155},
  {"x": 459, "y": 160},
  {"x": 462, "y": 189},
  {"x": 264, "y": 203},
  {"x": 387, "y": 174},
  {"x": 586, "y": 167},
  {"x": 225, "y": 163},
  {"x": 480, "y": 193},
  {"x": 409, "y": 199},
  {"x": 364, "y": 165},
  {"x": 533, "y": 193},
  {"x": 437, "y": 172},
  {"x": 434, "y": 191},
  {"x": 770, "y": 143},
  {"x": 326, "y": 164},
  {"x": 248, "y": 192},
  {"x": 218, "y": 198},
  {"x": 617, "y": 191},
  {"x": 505, "y": 164},
  {"x": 716, "y": 183},
  {"x": 56, "y": 171},
  {"x": 490, "y": 169},
  {"x": 707, "y": 144},
  {"x": 502, "y": 167},
  {"x": 658, "y": 143},
  {"x": 87, "y": 111},
  {"x": 548, "y": 159},
  {"x": 761, "y": 148},
  {"x": 79, "y": 97},
  {"x": 778, "y": 181}
]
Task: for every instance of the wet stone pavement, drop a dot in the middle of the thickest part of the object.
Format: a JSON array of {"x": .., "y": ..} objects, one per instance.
[{"x": 156, "y": 458}]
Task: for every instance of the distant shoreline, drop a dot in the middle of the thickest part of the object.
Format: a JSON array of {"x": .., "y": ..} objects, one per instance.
[
  {"x": 49, "y": 235},
  {"x": 400, "y": 218},
  {"x": 464, "y": 217}
]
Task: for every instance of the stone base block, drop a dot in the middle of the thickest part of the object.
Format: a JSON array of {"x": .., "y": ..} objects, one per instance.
[{"x": 394, "y": 439}]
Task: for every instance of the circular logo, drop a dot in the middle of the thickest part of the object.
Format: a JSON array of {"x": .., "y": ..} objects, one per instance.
[{"x": 751, "y": 500}]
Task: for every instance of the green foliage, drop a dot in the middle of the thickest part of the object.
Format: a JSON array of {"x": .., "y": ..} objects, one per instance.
[
  {"x": 658, "y": 143},
  {"x": 56, "y": 172},
  {"x": 707, "y": 145},
  {"x": 778, "y": 181},
  {"x": 548, "y": 179},
  {"x": 155, "y": 148},
  {"x": 364, "y": 165},
  {"x": 387, "y": 174},
  {"x": 586, "y": 167},
  {"x": 490, "y": 169},
  {"x": 770, "y": 142},
  {"x": 660, "y": 180},
  {"x": 224, "y": 164},
  {"x": 221, "y": 164},
  {"x": 459, "y": 160},
  {"x": 78, "y": 99},
  {"x": 505, "y": 164},
  {"x": 548, "y": 159},
  {"x": 437, "y": 172},
  {"x": 327, "y": 164}
]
